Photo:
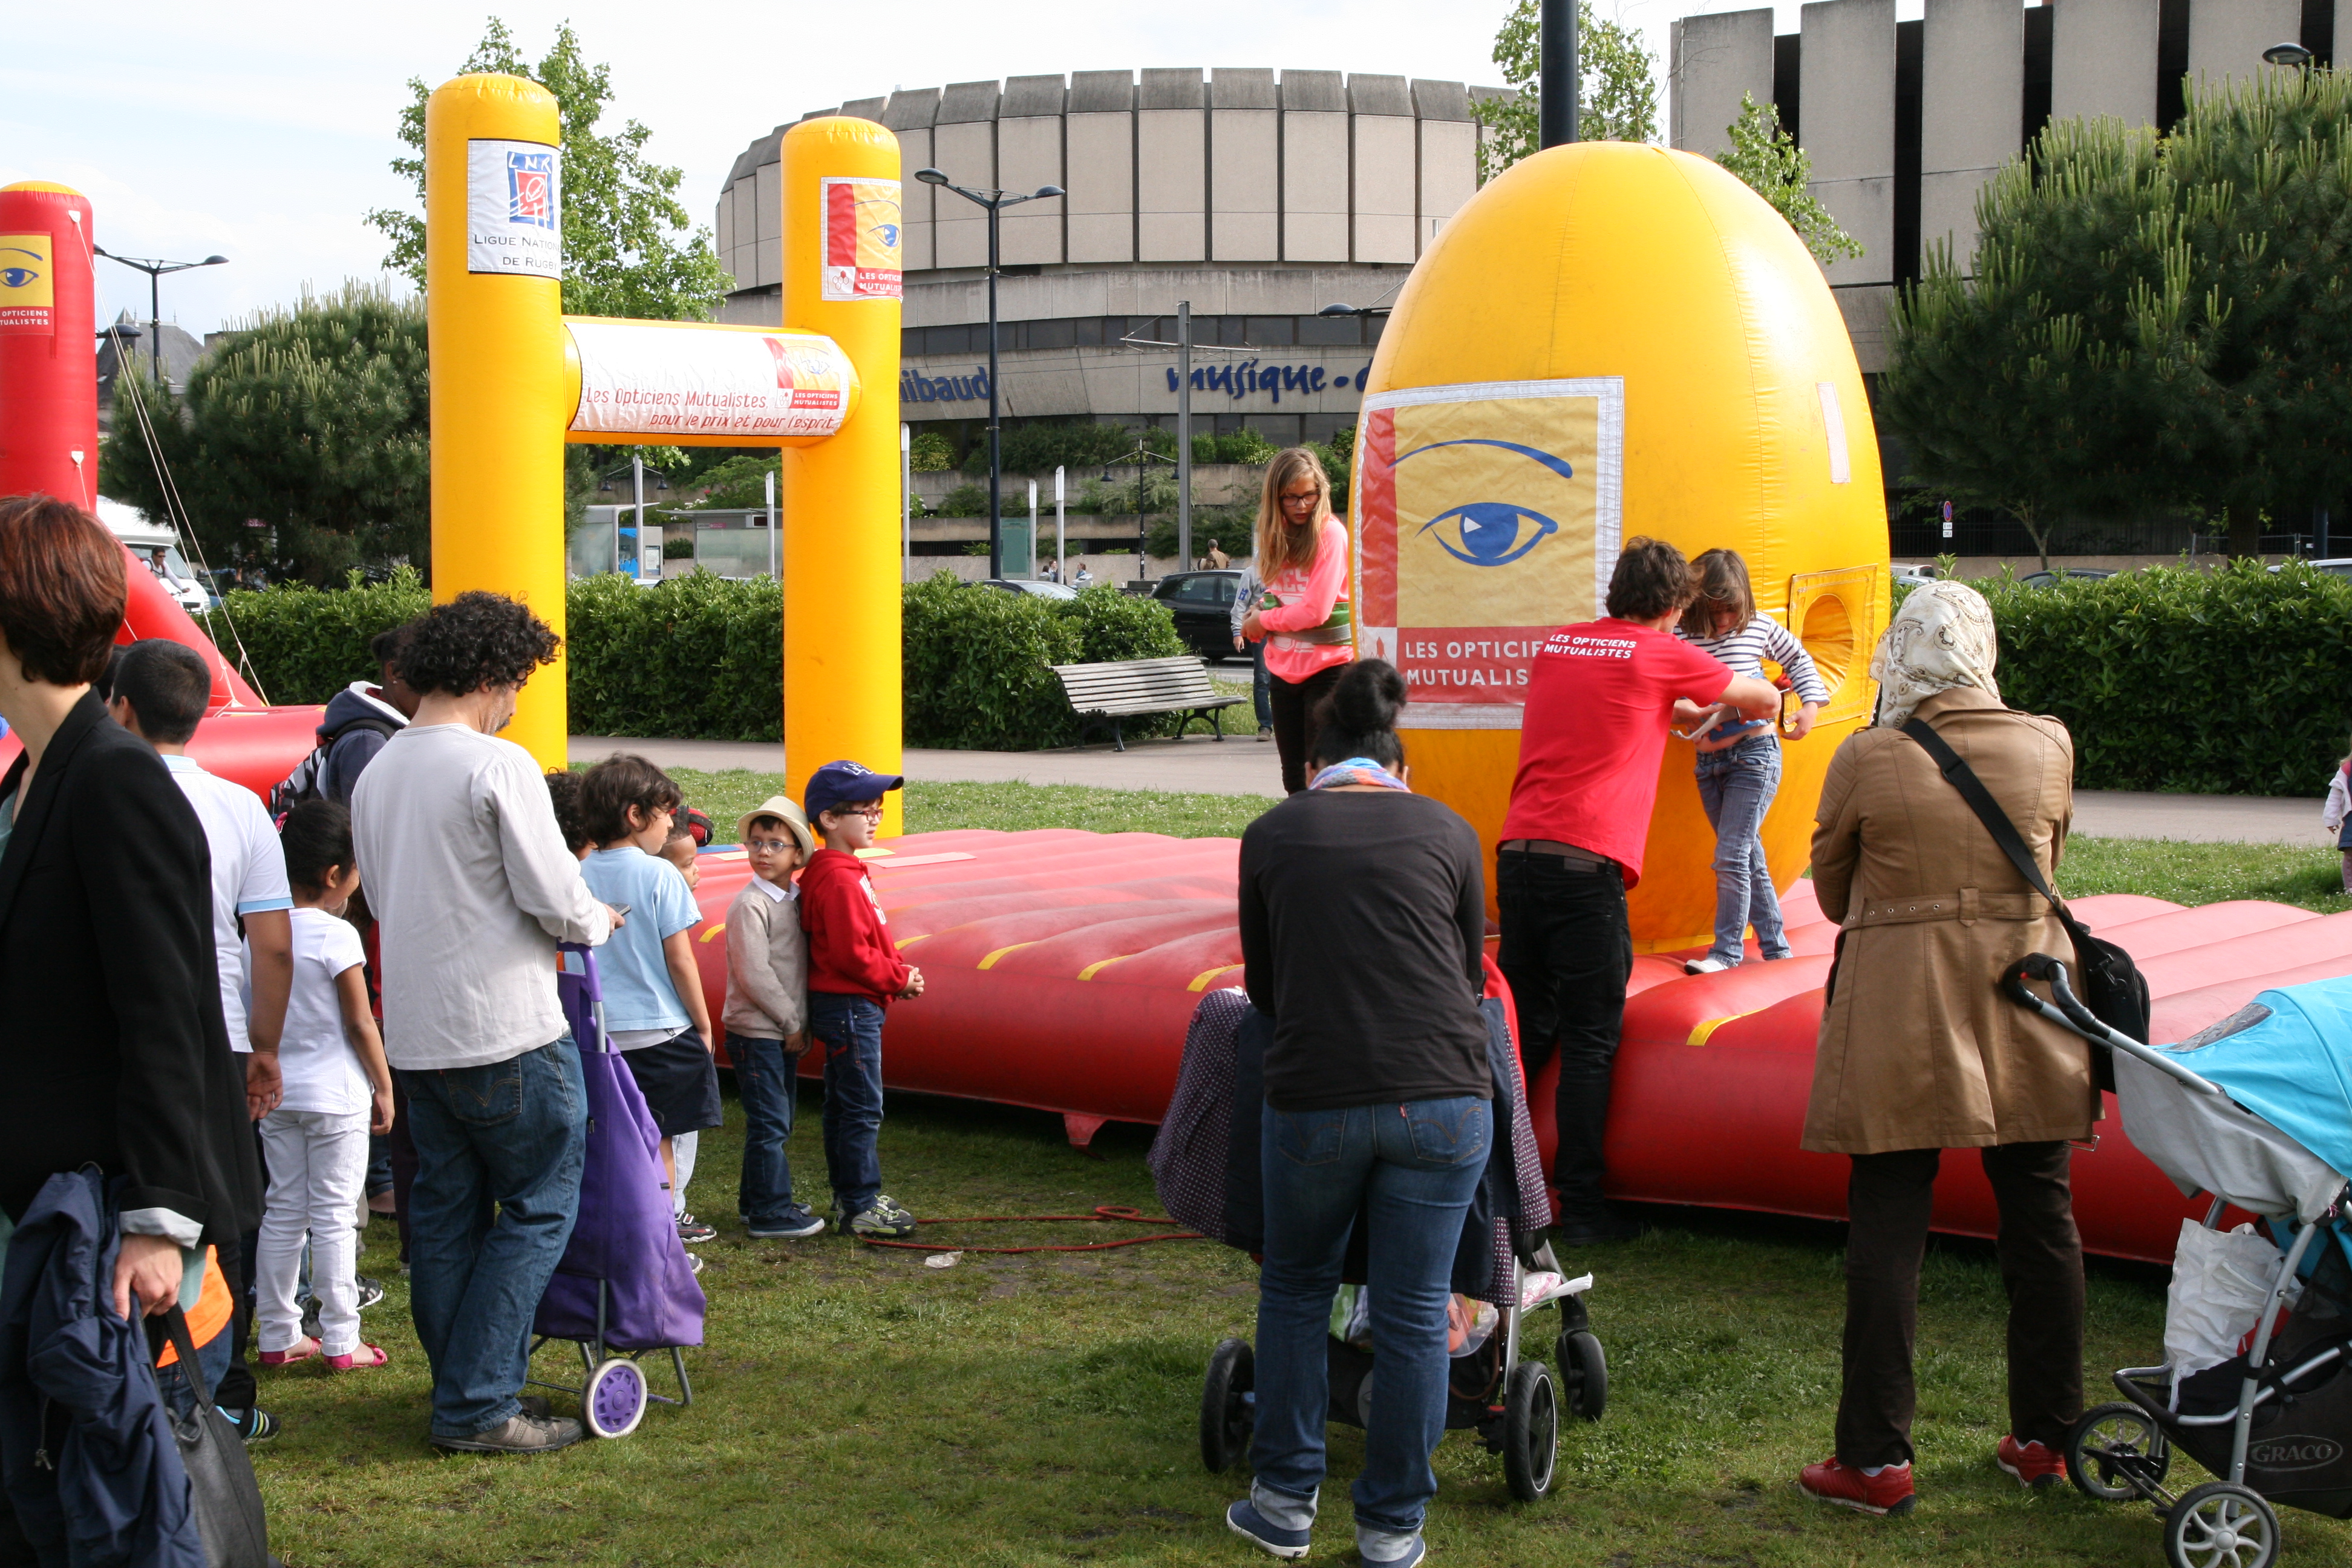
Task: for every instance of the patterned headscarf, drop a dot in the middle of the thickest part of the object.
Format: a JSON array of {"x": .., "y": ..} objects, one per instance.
[{"x": 1942, "y": 638}]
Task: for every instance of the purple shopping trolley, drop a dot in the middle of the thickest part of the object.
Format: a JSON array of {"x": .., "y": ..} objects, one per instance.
[{"x": 624, "y": 1286}]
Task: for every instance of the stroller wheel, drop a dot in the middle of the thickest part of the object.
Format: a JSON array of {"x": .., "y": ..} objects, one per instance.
[
  {"x": 2221, "y": 1525},
  {"x": 1225, "y": 1418},
  {"x": 613, "y": 1401},
  {"x": 2113, "y": 1447},
  {"x": 1583, "y": 1375},
  {"x": 1530, "y": 1430}
]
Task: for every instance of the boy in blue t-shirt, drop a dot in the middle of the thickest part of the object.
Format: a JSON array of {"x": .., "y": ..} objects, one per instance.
[{"x": 653, "y": 1008}]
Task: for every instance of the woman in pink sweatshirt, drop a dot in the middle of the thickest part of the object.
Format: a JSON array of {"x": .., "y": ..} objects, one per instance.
[{"x": 1302, "y": 559}]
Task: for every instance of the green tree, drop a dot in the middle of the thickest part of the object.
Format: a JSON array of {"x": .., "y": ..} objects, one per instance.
[
  {"x": 2152, "y": 322},
  {"x": 311, "y": 421},
  {"x": 1617, "y": 95},
  {"x": 1769, "y": 161},
  {"x": 629, "y": 248}
]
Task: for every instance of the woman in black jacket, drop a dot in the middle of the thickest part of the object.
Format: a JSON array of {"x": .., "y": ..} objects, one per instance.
[
  {"x": 1363, "y": 916},
  {"x": 112, "y": 1049}
]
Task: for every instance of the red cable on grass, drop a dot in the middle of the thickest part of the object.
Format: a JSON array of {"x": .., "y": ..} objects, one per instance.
[{"x": 1118, "y": 1212}]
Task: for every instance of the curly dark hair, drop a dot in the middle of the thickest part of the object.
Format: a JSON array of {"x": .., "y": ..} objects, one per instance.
[
  {"x": 1652, "y": 579},
  {"x": 474, "y": 640},
  {"x": 564, "y": 794}
]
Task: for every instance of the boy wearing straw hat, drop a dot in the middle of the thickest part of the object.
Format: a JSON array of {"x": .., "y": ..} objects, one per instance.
[{"x": 766, "y": 1015}]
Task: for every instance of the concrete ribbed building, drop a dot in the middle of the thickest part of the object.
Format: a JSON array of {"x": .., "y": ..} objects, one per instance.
[
  {"x": 1906, "y": 121},
  {"x": 1258, "y": 197}
]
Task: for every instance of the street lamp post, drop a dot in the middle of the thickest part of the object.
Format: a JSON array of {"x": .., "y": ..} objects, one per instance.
[
  {"x": 155, "y": 267},
  {"x": 994, "y": 202},
  {"x": 1140, "y": 456}
]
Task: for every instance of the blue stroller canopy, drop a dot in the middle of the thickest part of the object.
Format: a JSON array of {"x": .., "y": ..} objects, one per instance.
[{"x": 2292, "y": 1067}]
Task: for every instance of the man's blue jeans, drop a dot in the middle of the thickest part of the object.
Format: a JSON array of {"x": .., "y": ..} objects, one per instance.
[
  {"x": 848, "y": 1030},
  {"x": 768, "y": 1078},
  {"x": 1736, "y": 786},
  {"x": 1261, "y": 697},
  {"x": 497, "y": 1188},
  {"x": 1412, "y": 1169}
]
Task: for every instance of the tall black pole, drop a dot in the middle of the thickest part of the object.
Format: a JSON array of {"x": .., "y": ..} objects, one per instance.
[
  {"x": 995, "y": 431},
  {"x": 1183, "y": 435},
  {"x": 155, "y": 322},
  {"x": 1556, "y": 81}
]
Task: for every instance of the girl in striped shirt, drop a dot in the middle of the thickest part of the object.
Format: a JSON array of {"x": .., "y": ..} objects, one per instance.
[{"x": 1740, "y": 761}]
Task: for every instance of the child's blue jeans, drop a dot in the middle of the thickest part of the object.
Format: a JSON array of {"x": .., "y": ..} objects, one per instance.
[
  {"x": 848, "y": 1030},
  {"x": 1737, "y": 785},
  {"x": 767, "y": 1077}
]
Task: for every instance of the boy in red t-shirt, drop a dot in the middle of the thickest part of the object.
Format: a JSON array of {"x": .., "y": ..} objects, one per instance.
[
  {"x": 854, "y": 971},
  {"x": 1600, "y": 695}
]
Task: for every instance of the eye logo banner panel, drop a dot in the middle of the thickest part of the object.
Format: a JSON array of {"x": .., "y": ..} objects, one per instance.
[
  {"x": 859, "y": 243},
  {"x": 28, "y": 289},
  {"x": 1488, "y": 514}
]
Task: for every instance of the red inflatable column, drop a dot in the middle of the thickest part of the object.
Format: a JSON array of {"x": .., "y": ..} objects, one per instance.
[{"x": 48, "y": 345}]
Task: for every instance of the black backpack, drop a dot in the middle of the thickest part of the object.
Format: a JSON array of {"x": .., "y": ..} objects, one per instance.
[{"x": 302, "y": 783}]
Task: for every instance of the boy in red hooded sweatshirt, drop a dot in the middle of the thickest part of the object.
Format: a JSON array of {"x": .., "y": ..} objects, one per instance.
[{"x": 854, "y": 971}]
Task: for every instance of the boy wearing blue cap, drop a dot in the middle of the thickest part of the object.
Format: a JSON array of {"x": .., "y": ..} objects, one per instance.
[{"x": 853, "y": 973}]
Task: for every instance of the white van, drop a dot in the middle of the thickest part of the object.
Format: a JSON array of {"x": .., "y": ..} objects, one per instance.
[{"x": 145, "y": 537}]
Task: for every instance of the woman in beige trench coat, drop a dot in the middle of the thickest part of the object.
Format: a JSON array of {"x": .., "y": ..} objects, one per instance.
[{"x": 1920, "y": 1052}]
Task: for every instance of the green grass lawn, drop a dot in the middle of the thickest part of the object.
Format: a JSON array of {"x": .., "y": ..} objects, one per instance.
[{"x": 853, "y": 1406}]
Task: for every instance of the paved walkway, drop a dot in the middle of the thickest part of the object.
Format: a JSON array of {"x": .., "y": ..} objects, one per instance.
[{"x": 1241, "y": 765}]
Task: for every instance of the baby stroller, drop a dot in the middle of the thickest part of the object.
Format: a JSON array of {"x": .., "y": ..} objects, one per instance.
[
  {"x": 624, "y": 1287},
  {"x": 1205, "y": 1162},
  {"x": 2256, "y": 1111}
]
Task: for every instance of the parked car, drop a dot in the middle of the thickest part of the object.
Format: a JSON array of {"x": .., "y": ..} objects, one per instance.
[
  {"x": 1202, "y": 605},
  {"x": 2071, "y": 574},
  {"x": 145, "y": 538},
  {"x": 1023, "y": 585},
  {"x": 1910, "y": 574},
  {"x": 2335, "y": 566}
]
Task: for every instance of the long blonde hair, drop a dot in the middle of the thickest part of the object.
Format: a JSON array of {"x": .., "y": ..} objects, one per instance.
[{"x": 1281, "y": 547}]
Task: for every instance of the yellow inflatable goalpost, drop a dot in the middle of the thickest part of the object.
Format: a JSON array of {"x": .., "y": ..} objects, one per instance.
[{"x": 513, "y": 378}]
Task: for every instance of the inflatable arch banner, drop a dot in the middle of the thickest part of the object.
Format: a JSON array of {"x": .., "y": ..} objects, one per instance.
[{"x": 1610, "y": 341}]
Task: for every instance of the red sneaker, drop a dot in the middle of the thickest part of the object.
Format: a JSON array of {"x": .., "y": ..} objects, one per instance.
[
  {"x": 1833, "y": 1481},
  {"x": 2035, "y": 1465}
]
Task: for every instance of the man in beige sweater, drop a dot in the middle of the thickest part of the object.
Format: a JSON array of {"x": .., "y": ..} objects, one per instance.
[{"x": 766, "y": 1015}]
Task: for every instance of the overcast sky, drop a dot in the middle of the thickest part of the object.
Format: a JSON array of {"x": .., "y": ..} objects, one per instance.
[{"x": 261, "y": 130}]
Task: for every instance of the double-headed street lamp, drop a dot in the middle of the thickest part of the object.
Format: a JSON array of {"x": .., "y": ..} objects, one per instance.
[
  {"x": 995, "y": 202},
  {"x": 155, "y": 269}
]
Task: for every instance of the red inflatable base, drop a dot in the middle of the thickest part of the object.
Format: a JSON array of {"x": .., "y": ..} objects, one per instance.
[{"x": 1063, "y": 968}]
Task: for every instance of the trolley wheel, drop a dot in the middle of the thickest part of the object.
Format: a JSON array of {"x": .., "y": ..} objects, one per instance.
[
  {"x": 613, "y": 1399},
  {"x": 2221, "y": 1525},
  {"x": 2111, "y": 1447},
  {"x": 1225, "y": 1418},
  {"x": 1530, "y": 1430},
  {"x": 1583, "y": 1374}
]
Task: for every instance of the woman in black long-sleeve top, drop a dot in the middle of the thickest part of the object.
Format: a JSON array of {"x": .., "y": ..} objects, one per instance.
[
  {"x": 112, "y": 1049},
  {"x": 1362, "y": 919}
]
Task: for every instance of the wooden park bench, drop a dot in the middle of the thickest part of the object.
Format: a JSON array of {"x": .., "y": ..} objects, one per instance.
[{"x": 1107, "y": 693}]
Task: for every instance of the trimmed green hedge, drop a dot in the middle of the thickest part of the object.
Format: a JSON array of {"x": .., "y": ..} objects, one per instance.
[
  {"x": 702, "y": 657},
  {"x": 2234, "y": 681}
]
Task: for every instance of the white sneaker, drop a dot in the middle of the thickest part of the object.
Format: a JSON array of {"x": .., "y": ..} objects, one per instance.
[{"x": 1708, "y": 965}]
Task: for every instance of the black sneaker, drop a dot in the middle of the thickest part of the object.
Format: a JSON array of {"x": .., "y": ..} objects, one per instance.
[
  {"x": 694, "y": 1262},
  {"x": 1593, "y": 1230},
  {"x": 791, "y": 1227},
  {"x": 692, "y": 1231},
  {"x": 258, "y": 1425},
  {"x": 516, "y": 1434},
  {"x": 371, "y": 1290}
]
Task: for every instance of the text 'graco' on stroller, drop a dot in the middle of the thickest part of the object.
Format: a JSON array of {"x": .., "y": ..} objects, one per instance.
[
  {"x": 1205, "y": 1163},
  {"x": 2255, "y": 1112}
]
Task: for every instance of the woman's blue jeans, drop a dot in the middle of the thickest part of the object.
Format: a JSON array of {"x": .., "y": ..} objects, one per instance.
[
  {"x": 1412, "y": 1169},
  {"x": 1737, "y": 785}
]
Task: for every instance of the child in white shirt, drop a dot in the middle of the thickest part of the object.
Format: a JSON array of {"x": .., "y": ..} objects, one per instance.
[
  {"x": 2332, "y": 816},
  {"x": 337, "y": 1090}
]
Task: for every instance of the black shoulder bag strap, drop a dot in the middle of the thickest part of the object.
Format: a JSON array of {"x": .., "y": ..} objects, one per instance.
[{"x": 2111, "y": 984}]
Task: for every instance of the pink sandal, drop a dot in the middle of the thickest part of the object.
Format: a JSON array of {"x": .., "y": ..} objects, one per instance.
[
  {"x": 360, "y": 1360},
  {"x": 301, "y": 1350}
]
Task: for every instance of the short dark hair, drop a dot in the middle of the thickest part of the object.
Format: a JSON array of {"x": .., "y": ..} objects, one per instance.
[
  {"x": 679, "y": 835},
  {"x": 564, "y": 794},
  {"x": 1652, "y": 579},
  {"x": 317, "y": 834},
  {"x": 167, "y": 686},
  {"x": 616, "y": 784},
  {"x": 385, "y": 645},
  {"x": 1358, "y": 717},
  {"x": 476, "y": 640},
  {"x": 62, "y": 589}
]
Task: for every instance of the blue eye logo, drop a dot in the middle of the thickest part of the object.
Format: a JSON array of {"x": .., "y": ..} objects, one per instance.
[
  {"x": 17, "y": 276},
  {"x": 1493, "y": 533}
]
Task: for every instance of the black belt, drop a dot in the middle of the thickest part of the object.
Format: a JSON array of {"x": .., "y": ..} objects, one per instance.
[{"x": 1571, "y": 856}]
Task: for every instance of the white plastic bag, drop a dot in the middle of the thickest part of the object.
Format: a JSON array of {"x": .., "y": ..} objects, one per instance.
[{"x": 2221, "y": 1280}]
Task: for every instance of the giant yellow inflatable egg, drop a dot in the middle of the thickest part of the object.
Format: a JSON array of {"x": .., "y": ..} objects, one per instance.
[{"x": 1613, "y": 339}]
